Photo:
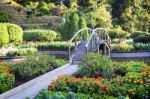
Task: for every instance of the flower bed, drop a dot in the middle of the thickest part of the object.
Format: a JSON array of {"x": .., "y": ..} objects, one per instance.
[
  {"x": 33, "y": 66},
  {"x": 127, "y": 80}
]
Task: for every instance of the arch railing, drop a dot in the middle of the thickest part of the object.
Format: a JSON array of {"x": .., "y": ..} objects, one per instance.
[
  {"x": 98, "y": 36},
  {"x": 79, "y": 37}
]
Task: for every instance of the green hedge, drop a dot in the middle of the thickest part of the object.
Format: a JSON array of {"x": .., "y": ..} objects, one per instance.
[
  {"x": 137, "y": 33},
  {"x": 144, "y": 38},
  {"x": 15, "y": 33},
  {"x": 45, "y": 45},
  {"x": 22, "y": 52},
  {"x": 4, "y": 37},
  {"x": 39, "y": 35},
  {"x": 10, "y": 33}
]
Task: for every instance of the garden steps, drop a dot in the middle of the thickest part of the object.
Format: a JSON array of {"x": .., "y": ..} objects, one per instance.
[{"x": 32, "y": 88}]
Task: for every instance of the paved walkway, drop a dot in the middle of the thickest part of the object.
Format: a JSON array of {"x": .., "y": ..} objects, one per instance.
[
  {"x": 130, "y": 55},
  {"x": 34, "y": 86}
]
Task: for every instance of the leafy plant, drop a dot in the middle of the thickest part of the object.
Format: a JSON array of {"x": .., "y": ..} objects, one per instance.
[
  {"x": 7, "y": 79},
  {"x": 95, "y": 65},
  {"x": 22, "y": 52},
  {"x": 122, "y": 47},
  {"x": 132, "y": 66},
  {"x": 35, "y": 65}
]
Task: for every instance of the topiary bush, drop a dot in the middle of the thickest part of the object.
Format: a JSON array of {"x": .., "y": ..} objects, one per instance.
[
  {"x": 15, "y": 33},
  {"x": 39, "y": 35},
  {"x": 4, "y": 36}
]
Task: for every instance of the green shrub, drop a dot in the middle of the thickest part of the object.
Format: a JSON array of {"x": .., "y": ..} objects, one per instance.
[
  {"x": 122, "y": 47},
  {"x": 117, "y": 33},
  {"x": 4, "y": 36},
  {"x": 22, "y": 52},
  {"x": 35, "y": 64},
  {"x": 39, "y": 35},
  {"x": 4, "y": 17},
  {"x": 141, "y": 46},
  {"x": 46, "y": 45},
  {"x": 144, "y": 38},
  {"x": 132, "y": 66},
  {"x": 15, "y": 33},
  {"x": 94, "y": 65},
  {"x": 7, "y": 79},
  {"x": 137, "y": 33},
  {"x": 46, "y": 94}
]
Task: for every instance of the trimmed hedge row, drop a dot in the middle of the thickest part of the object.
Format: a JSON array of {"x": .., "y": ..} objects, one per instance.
[
  {"x": 39, "y": 35},
  {"x": 10, "y": 33},
  {"x": 141, "y": 37}
]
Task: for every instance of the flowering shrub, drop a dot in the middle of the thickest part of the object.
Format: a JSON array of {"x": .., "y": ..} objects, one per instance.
[
  {"x": 7, "y": 79},
  {"x": 79, "y": 85},
  {"x": 138, "y": 84}
]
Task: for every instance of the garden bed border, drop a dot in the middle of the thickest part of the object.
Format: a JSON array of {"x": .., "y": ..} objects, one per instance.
[{"x": 15, "y": 90}]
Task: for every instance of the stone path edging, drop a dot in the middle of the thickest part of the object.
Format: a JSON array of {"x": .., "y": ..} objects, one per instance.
[{"x": 32, "y": 87}]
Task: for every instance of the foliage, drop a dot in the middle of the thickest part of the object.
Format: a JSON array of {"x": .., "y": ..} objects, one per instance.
[
  {"x": 125, "y": 67},
  {"x": 117, "y": 33},
  {"x": 79, "y": 85},
  {"x": 7, "y": 79},
  {"x": 144, "y": 38},
  {"x": 22, "y": 52},
  {"x": 95, "y": 65},
  {"x": 137, "y": 33},
  {"x": 15, "y": 33},
  {"x": 72, "y": 24},
  {"x": 4, "y": 36},
  {"x": 35, "y": 65},
  {"x": 99, "y": 17},
  {"x": 46, "y": 94},
  {"x": 131, "y": 15},
  {"x": 122, "y": 47},
  {"x": 4, "y": 17},
  {"x": 45, "y": 45},
  {"x": 39, "y": 35},
  {"x": 141, "y": 46}
]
